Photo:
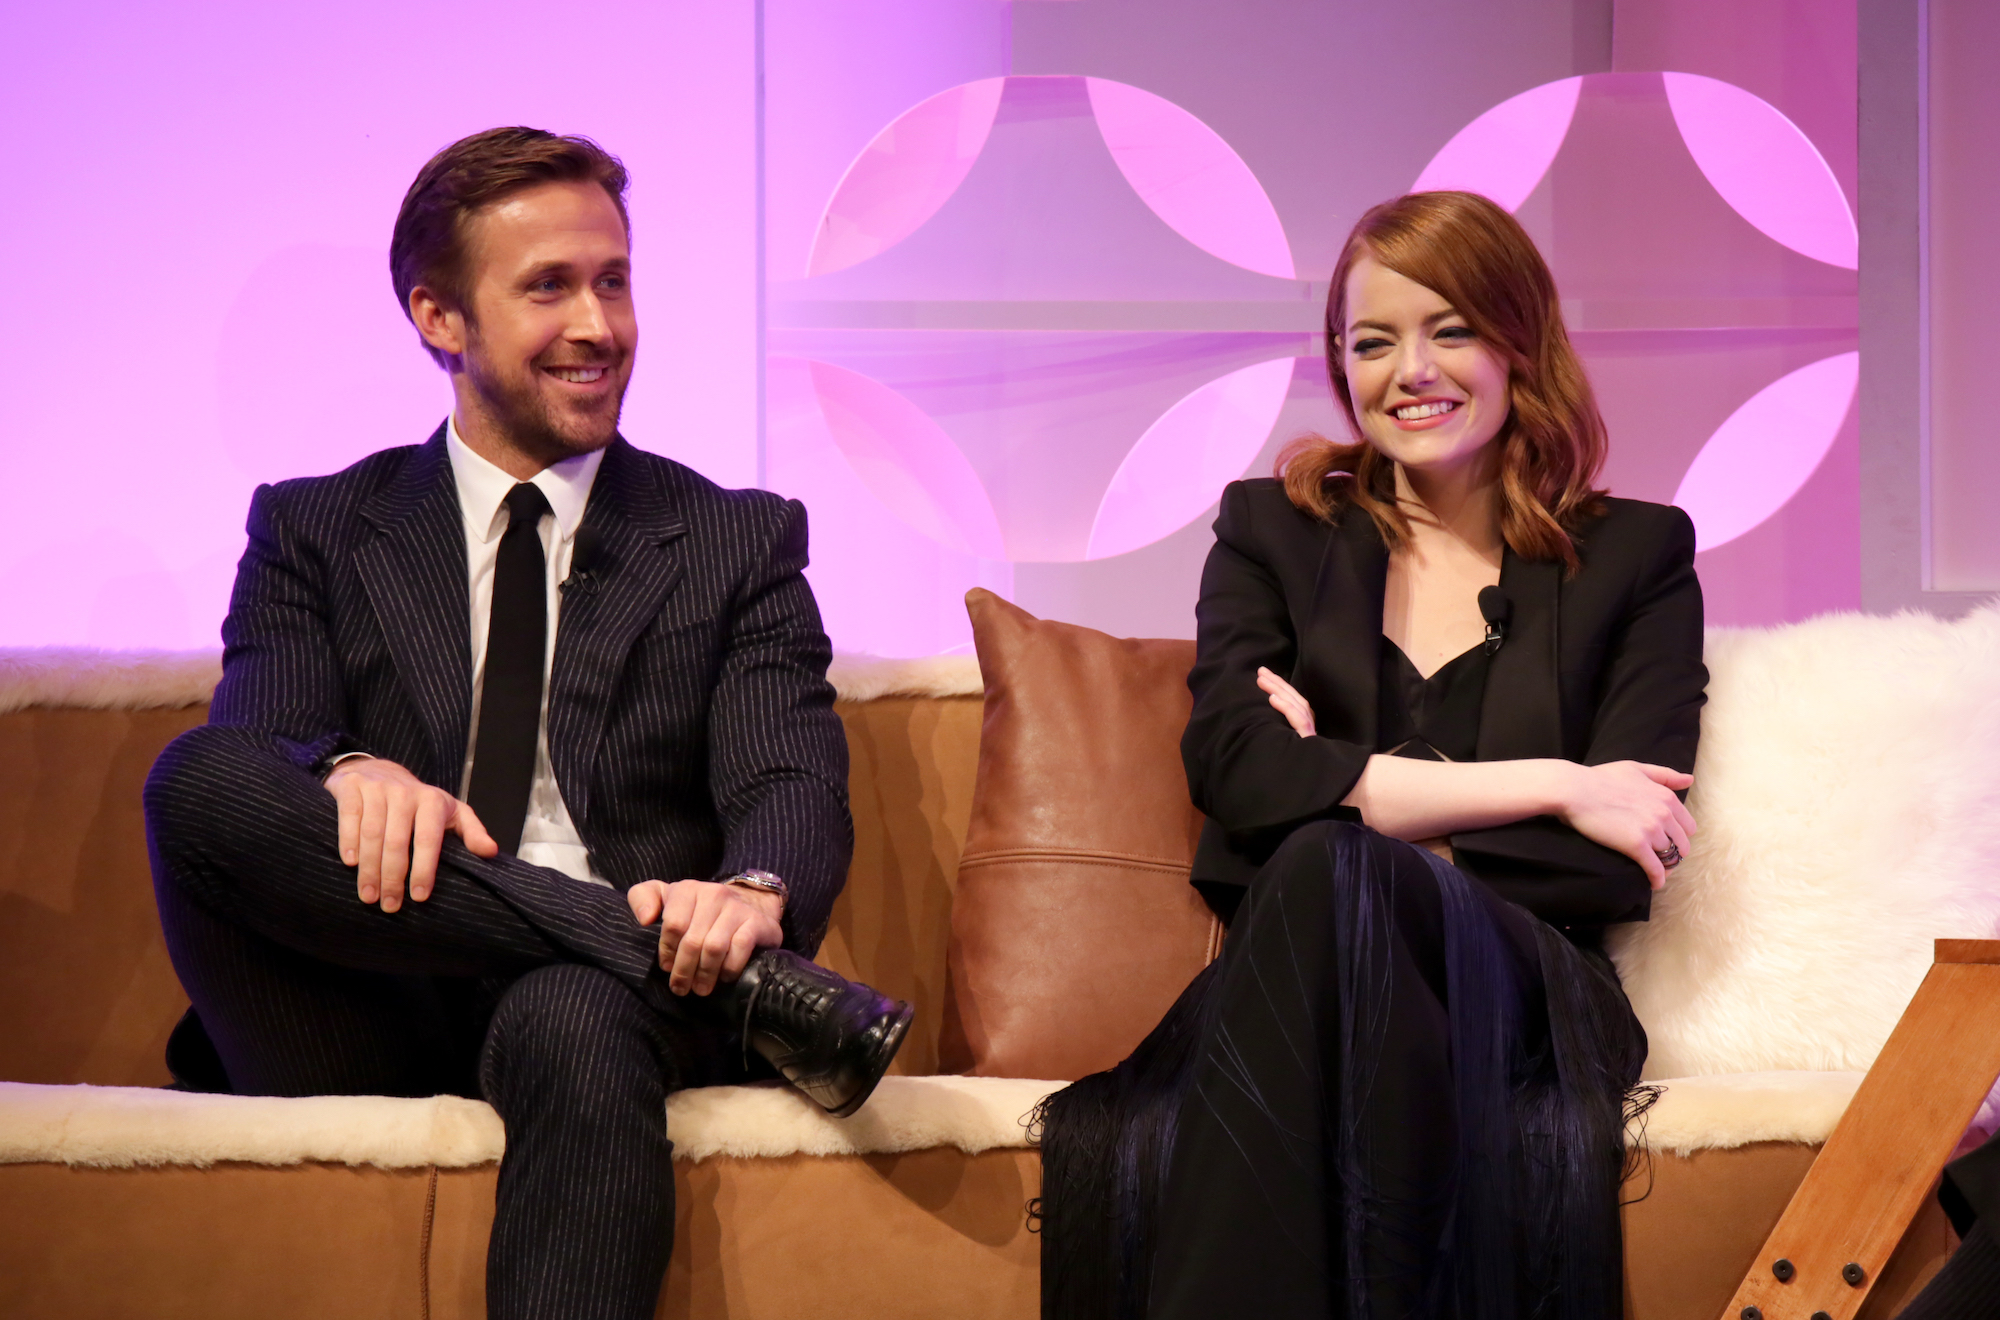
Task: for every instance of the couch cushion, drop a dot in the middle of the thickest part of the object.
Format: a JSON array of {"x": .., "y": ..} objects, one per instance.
[{"x": 1073, "y": 927}]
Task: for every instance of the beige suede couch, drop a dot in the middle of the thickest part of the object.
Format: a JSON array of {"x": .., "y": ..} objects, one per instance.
[{"x": 118, "y": 1200}]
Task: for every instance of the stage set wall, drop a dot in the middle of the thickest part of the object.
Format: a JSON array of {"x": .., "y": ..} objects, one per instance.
[{"x": 1005, "y": 292}]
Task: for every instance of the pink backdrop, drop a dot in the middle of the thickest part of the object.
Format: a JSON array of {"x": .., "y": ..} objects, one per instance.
[
  {"x": 198, "y": 225},
  {"x": 1035, "y": 279}
]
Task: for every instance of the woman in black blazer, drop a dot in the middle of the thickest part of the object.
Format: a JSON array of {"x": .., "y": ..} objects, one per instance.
[{"x": 1446, "y": 696}]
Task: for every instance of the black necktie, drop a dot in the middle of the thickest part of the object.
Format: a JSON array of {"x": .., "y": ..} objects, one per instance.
[{"x": 510, "y": 702}]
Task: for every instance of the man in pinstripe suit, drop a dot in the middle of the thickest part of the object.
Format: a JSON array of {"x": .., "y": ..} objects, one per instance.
[{"x": 400, "y": 717}]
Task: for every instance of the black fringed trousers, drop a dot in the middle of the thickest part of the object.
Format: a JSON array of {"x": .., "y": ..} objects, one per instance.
[{"x": 1394, "y": 1094}]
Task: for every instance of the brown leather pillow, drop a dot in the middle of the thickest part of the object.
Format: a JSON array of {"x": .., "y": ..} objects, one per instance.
[{"x": 1073, "y": 927}]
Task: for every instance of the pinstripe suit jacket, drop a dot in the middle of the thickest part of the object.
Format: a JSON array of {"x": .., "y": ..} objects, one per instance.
[{"x": 691, "y": 726}]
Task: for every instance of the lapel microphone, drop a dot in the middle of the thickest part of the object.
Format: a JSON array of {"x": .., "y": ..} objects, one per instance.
[
  {"x": 584, "y": 561},
  {"x": 1496, "y": 609}
]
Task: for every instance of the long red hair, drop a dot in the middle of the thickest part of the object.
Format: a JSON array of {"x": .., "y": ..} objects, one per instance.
[{"x": 1476, "y": 257}]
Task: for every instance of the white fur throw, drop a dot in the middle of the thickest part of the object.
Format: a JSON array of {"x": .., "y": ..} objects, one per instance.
[
  {"x": 106, "y": 680},
  {"x": 143, "y": 680},
  {"x": 1848, "y": 798},
  {"x": 869, "y": 677},
  {"x": 122, "y": 1127},
  {"x": 131, "y": 1127}
]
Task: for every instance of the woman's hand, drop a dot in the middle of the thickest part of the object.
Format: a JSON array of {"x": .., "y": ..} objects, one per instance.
[
  {"x": 1630, "y": 806},
  {"x": 1285, "y": 699}
]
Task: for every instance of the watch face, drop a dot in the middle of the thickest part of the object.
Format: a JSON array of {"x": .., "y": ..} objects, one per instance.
[{"x": 763, "y": 880}]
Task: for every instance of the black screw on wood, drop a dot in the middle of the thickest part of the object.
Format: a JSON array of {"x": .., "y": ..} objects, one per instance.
[
  {"x": 1821, "y": 1315},
  {"x": 1783, "y": 1269},
  {"x": 1853, "y": 1273},
  {"x": 1752, "y": 1313}
]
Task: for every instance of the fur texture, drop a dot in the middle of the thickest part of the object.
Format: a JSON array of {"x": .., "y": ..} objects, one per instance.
[
  {"x": 124, "y": 1127},
  {"x": 141, "y": 680},
  {"x": 106, "y": 680},
  {"x": 869, "y": 677},
  {"x": 1719, "y": 1113},
  {"x": 1848, "y": 798}
]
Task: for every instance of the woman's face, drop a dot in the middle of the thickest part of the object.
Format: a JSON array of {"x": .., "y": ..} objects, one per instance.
[{"x": 1428, "y": 392}]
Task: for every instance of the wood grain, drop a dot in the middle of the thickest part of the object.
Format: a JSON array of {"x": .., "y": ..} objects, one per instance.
[{"x": 1884, "y": 1157}]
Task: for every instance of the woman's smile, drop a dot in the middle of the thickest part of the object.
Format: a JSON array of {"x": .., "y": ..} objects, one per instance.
[{"x": 1424, "y": 414}]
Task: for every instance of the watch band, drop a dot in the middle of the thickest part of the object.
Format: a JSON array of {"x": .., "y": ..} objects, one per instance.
[{"x": 762, "y": 881}]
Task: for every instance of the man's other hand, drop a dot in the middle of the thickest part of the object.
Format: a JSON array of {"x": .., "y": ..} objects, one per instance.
[
  {"x": 707, "y": 930},
  {"x": 391, "y": 827}
]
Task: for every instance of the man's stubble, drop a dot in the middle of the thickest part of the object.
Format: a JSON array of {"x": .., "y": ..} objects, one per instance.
[{"x": 524, "y": 416}]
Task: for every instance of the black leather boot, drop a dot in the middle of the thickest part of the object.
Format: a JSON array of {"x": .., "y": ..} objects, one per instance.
[{"x": 831, "y": 1037}]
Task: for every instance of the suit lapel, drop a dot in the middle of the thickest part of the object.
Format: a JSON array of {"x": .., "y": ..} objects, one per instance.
[
  {"x": 1521, "y": 716},
  {"x": 414, "y": 571},
  {"x": 1340, "y": 648},
  {"x": 639, "y": 561}
]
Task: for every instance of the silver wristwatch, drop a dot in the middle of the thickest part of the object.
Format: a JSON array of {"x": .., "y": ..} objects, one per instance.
[{"x": 761, "y": 881}]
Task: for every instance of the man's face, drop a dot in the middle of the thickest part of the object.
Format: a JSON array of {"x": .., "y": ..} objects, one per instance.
[{"x": 550, "y": 330}]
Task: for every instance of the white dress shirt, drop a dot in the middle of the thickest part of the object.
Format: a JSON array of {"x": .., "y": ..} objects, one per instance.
[{"x": 548, "y": 837}]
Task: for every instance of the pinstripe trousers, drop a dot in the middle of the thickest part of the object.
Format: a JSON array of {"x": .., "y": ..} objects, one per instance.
[{"x": 511, "y": 982}]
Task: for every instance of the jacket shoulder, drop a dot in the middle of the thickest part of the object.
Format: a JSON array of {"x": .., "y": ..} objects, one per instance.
[
  {"x": 1257, "y": 509},
  {"x": 1636, "y": 527},
  {"x": 343, "y": 489},
  {"x": 701, "y": 497}
]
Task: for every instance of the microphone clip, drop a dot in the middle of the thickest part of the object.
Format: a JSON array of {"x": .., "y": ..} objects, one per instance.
[
  {"x": 1496, "y": 609},
  {"x": 584, "y": 562}
]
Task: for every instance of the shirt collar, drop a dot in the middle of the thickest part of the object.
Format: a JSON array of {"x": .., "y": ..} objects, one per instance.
[{"x": 483, "y": 487}]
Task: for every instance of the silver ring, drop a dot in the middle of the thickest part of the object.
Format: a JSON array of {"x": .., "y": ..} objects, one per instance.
[{"x": 1670, "y": 856}]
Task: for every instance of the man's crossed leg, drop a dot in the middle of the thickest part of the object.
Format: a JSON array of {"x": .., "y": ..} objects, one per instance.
[{"x": 509, "y": 981}]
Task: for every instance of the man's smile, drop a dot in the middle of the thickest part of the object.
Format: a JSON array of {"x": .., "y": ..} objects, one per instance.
[{"x": 577, "y": 375}]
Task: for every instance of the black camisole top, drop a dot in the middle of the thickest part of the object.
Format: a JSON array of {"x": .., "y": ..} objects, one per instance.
[{"x": 1435, "y": 718}]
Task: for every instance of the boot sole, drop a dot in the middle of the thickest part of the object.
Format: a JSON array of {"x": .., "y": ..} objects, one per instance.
[{"x": 889, "y": 1052}]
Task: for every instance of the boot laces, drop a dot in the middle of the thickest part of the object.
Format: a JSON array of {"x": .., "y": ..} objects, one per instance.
[{"x": 795, "y": 1002}]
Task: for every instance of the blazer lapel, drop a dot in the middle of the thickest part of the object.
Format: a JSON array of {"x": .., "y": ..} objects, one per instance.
[
  {"x": 1340, "y": 648},
  {"x": 1521, "y": 716},
  {"x": 639, "y": 561},
  {"x": 414, "y": 572}
]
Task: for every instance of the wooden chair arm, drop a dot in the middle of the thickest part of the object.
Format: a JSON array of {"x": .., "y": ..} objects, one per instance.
[{"x": 1884, "y": 1156}]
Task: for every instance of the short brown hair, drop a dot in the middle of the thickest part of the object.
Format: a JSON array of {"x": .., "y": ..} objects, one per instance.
[
  {"x": 428, "y": 246},
  {"x": 1476, "y": 257}
]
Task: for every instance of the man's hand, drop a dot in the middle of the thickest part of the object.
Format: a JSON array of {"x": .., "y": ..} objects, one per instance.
[
  {"x": 392, "y": 825},
  {"x": 707, "y": 930}
]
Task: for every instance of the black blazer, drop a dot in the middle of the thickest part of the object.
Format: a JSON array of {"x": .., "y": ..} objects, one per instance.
[
  {"x": 691, "y": 726},
  {"x": 1605, "y": 666}
]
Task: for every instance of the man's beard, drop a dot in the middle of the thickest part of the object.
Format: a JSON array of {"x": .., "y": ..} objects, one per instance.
[{"x": 523, "y": 414}]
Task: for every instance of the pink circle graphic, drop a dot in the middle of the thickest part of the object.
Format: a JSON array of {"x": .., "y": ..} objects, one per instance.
[
  {"x": 1757, "y": 160},
  {"x": 1504, "y": 153},
  {"x": 1185, "y": 458},
  {"x": 1191, "y": 178},
  {"x": 904, "y": 175},
  {"x": 1182, "y": 169},
  {"x": 904, "y": 458},
  {"x": 1768, "y": 448},
  {"x": 1765, "y": 167}
]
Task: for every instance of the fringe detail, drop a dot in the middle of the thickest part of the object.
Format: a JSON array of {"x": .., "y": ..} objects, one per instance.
[
  {"x": 1107, "y": 1141},
  {"x": 1575, "y": 1110},
  {"x": 1484, "y": 1241},
  {"x": 1532, "y": 1228}
]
